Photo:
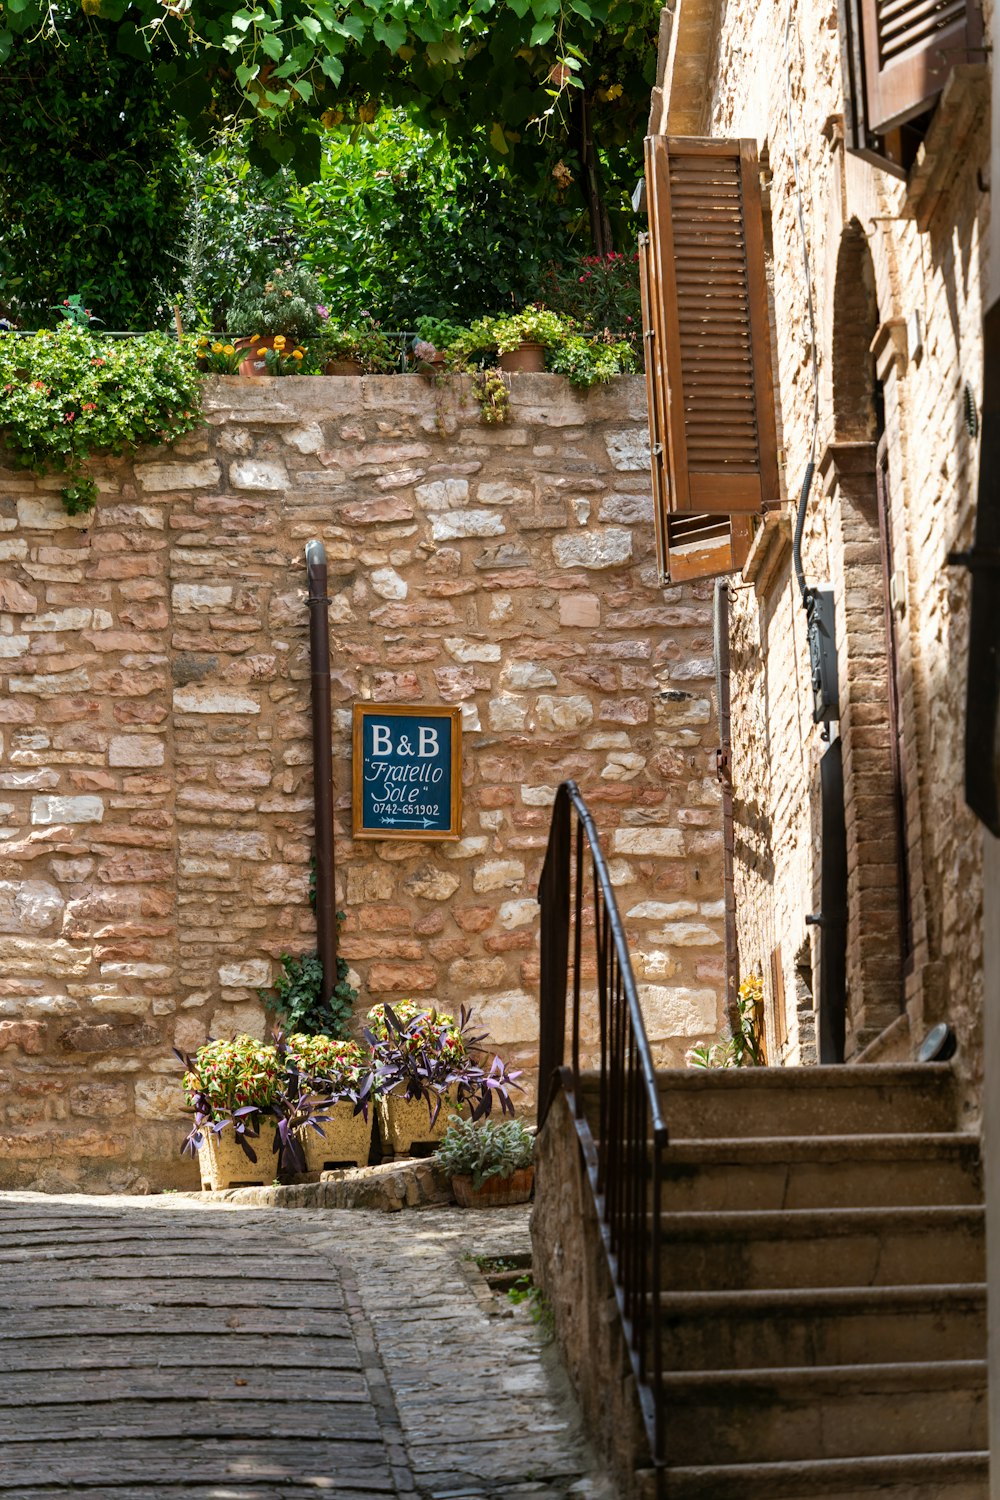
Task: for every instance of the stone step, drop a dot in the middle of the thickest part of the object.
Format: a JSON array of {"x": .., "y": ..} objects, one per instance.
[
  {"x": 846, "y": 1411},
  {"x": 909, "y": 1476},
  {"x": 852, "y": 1171},
  {"x": 855, "y": 1247},
  {"x": 869, "y": 1099},
  {"x": 810, "y": 1326}
]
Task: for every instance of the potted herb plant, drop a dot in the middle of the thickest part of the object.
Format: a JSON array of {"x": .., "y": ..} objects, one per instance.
[
  {"x": 361, "y": 349},
  {"x": 422, "y": 1060},
  {"x": 230, "y": 1088},
  {"x": 284, "y": 306},
  {"x": 519, "y": 339},
  {"x": 489, "y": 1162},
  {"x": 334, "y": 1072}
]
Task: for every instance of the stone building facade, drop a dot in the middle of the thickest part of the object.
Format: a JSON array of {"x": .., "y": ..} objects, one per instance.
[
  {"x": 155, "y": 779},
  {"x": 897, "y": 265}
]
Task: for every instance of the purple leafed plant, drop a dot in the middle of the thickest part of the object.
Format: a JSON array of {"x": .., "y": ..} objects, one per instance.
[{"x": 422, "y": 1058}]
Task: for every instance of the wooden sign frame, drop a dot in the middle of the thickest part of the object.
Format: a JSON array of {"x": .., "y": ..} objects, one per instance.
[{"x": 363, "y": 711}]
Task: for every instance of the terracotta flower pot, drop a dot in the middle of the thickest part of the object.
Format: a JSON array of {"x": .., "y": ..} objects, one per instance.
[
  {"x": 527, "y": 357},
  {"x": 346, "y": 1139},
  {"x": 495, "y": 1192},
  {"x": 224, "y": 1165},
  {"x": 255, "y": 364},
  {"x": 343, "y": 367}
]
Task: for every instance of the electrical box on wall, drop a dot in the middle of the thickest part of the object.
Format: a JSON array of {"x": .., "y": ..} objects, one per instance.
[{"x": 821, "y": 628}]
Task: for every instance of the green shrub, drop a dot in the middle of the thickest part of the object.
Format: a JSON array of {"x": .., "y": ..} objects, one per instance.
[
  {"x": 297, "y": 997},
  {"x": 68, "y": 395}
]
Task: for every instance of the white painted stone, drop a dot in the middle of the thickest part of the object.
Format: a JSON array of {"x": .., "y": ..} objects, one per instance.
[
  {"x": 52, "y": 684},
  {"x": 654, "y": 963},
  {"x": 666, "y": 843},
  {"x": 210, "y": 700},
  {"x": 677, "y": 1011},
  {"x": 468, "y": 848},
  {"x": 305, "y": 439},
  {"x": 620, "y": 872},
  {"x": 520, "y": 675},
  {"x": 538, "y": 796},
  {"x": 498, "y": 874},
  {"x": 40, "y": 780},
  {"x": 387, "y": 584},
  {"x": 506, "y": 1018},
  {"x": 252, "y": 973},
  {"x": 59, "y": 619},
  {"x": 46, "y": 513},
  {"x": 623, "y": 765},
  {"x": 133, "y": 970},
  {"x": 689, "y": 935},
  {"x": 523, "y": 913},
  {"x": 48, "y": 810},
  {"x": 136, "y": 750},
  {"x": 469, "y": 651},
  {"x": 257, "y": 474},
  {"x": 462, "y": 523},
  {"x": 192, "y": 598},
  {"x": 503, "y": 493},
  {"x": 581, "y": 509},
  {"x": 609, "y": 548},
  {"x": 103, "y": 619},
  {"x": 29, "y": 905},
  {"x": 178, "y": 476},
  {"x": 662, "y": 911},
  {"x": 471, "y": 723},
  {"x": 442, "y": 494},
  {"x": 628, "y": 450},
  {"x": 431, "y": 885},
  {"x": 12, "y": 646},
  {"x": 506, "y": 713},
  {"x": 561, "y": 714},
  {"x": 13, "y": 551},
  {"x": 628, "y": 510}
]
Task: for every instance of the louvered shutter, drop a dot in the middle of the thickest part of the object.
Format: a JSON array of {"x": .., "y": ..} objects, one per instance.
[
  {"x": 687, "y": 546},
  {"x": 910, "y": 47},
  {"x": 709, "y": 350}
]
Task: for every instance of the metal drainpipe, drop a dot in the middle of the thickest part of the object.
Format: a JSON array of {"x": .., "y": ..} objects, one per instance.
[{"x": 319, "y": 657}]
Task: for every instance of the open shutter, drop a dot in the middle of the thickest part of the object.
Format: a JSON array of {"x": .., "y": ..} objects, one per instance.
[
  {"x": 910, "y": 47},
  {"x": 712, "y": 396},
  {"x": 687, "y": 546}
]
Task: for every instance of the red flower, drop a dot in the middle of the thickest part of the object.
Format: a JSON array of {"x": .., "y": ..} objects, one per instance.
[{"x": 69, "y": 416}]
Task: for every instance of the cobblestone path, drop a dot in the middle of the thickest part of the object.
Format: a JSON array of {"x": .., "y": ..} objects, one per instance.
[{"x": 153, "y": 1349}]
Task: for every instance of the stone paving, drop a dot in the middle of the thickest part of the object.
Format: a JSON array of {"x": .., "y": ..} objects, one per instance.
[{"x": 159, "y": 1347}]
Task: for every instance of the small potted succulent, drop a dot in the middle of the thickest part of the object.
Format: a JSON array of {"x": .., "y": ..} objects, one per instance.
[
  {"x": 230, "y": 1088},
  {"x": 489, "y": 1162},
  {"x": 422, "y": 1060},
  {"x": 284, "y": 306},
  {"x": 334, "y": 1072}
]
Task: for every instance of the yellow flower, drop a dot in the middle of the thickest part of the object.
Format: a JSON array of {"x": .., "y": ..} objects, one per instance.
[
  {"x": 280, "y": 341},
  {"x": 255, "y": 339},
  {"x": 615, "y": 91},
  {"x": 216, "y": 348},
  {"x": 229, "y": 349},
  {"x": 296, "y": 353}
]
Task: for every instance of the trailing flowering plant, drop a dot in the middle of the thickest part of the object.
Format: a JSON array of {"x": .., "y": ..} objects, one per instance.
[
  {"x": 420, "y": 1054},
  {"x": 68, "y": 395}
]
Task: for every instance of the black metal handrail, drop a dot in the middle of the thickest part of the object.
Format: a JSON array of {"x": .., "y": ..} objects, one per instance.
[{"x": 624, "y": 1147}]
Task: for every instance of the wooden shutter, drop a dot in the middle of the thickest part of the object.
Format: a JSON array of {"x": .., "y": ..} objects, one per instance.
[
  {"x": 687, "y": 546},
  {"x": 910, "y": 47},
  {"x": 711, "y": 392}
]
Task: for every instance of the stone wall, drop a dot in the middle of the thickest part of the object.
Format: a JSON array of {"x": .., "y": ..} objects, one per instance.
[
  {"x": 155, "y": 780},
  {"x": 898, "y": 287}
]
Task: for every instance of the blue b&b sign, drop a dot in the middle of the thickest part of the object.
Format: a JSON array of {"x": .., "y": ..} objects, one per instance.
[{"x": 407, "y": 772}]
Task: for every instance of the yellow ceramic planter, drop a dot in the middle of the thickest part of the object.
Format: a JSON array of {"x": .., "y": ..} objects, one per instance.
[
  {"x": 224, "y": 1165},
  {"x": 346, "y": 1139}
]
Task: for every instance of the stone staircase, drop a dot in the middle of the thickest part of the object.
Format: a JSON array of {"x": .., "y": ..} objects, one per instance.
[{"x": 823, "y": 1304}]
